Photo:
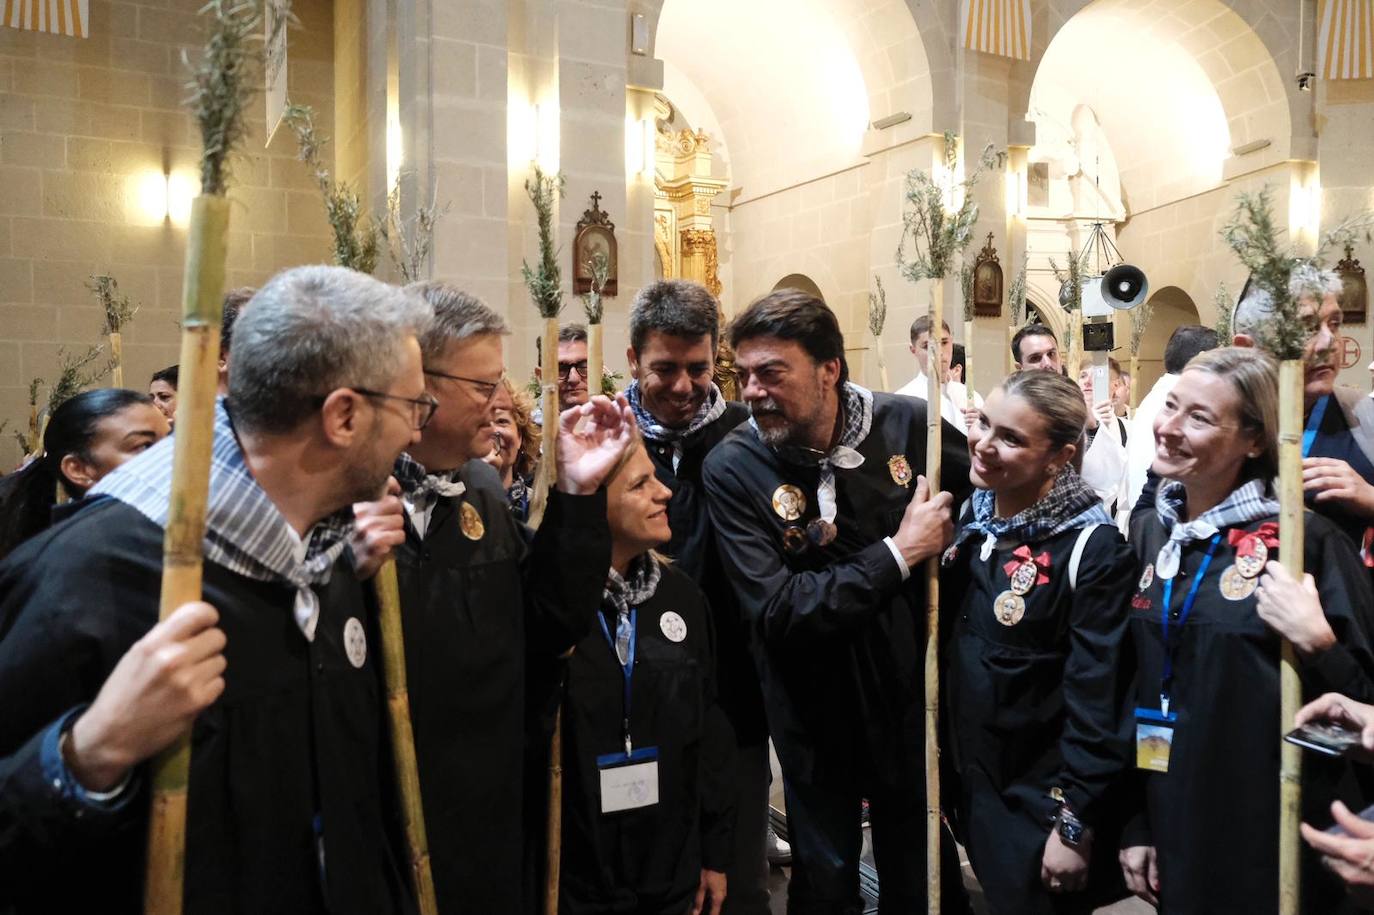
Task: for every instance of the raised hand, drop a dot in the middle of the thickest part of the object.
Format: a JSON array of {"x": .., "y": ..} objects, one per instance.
[{"x": 591, "y": 439}]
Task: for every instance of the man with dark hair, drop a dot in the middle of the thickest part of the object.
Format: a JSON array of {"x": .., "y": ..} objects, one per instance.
[
  {"x": 823, "y": 524},
  {"x": 674, "y": 329},
  {"x": 288, "y": 809},
  {"x": 955, "y": 404},
  {"x": 572, "y": 365},
  {"x": 1036, "y": 347},
  {"x": 163, "y": 390},
  {"x": 1338, "y": 455},
  {"x": 487, "y": 611},
  {"x": 234, "y": 300}
]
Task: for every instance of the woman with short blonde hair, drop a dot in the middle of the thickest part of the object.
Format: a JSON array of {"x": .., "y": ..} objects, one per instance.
[{"x": 1204, "y": 837}]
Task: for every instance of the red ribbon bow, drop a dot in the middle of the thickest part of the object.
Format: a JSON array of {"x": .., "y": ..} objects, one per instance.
[
  {"x": 1023, "y": 555},
  {"x": 1268, "y": 533}
]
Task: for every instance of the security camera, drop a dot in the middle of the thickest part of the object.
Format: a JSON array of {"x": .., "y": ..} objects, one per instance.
[{"x": 1305, "y": 81}]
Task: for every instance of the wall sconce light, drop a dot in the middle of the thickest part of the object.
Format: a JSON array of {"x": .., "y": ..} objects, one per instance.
[
  {"x": 640, "y": 148},
  {"x": 639, "y": 35},
  {"x": 156, "y": 197}
]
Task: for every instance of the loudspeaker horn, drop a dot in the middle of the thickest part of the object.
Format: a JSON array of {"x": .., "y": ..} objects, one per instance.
[{"x": 1124, "y": 287}]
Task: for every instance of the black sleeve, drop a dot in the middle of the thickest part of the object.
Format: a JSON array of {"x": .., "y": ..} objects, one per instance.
[
  {"x": 1343, "y": 584},
  {"x": 565, "y": 571},
  {"x": 780, "y": 603},
  {"x": 717, "y": 765},
  {"x": 1096, "y": 741},
  {"x": 1146, "y": 502}
]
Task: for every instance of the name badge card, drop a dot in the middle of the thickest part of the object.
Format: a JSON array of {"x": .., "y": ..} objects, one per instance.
[
  {"x": 1154, "y": 739},
  {"x": 628, "y": 782}
]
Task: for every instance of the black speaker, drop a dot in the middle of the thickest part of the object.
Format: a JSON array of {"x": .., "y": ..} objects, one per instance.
[{"x": 1124, "y": 286}]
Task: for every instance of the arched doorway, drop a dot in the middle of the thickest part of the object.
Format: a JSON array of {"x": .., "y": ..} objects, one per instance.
[
  {"x": 1172, "y": 309},
  {"x": 801, "y": 282}
]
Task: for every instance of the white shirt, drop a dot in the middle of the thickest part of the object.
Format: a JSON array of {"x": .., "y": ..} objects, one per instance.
[
  {"x": 954, "y": 396},
  {"x": 1140, "y": 449},
  {"x": 1104, "y": 463},
  {"x": 419, "y": 512}
]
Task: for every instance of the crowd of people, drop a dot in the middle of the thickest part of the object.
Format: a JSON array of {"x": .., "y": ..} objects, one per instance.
[{"x": 706, "y": 577}]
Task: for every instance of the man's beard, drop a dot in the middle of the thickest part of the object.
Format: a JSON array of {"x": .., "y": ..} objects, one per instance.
[{"x": 785, "y": 433}]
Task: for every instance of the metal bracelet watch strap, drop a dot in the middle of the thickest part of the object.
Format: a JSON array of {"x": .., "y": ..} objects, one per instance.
[{"x": 1070, "y": 828}]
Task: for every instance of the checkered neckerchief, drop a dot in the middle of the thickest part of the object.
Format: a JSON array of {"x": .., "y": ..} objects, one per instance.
[
  {"x": 1070, "y": 504},
  {"x": 1247, "y": 503},
  {"x": 623, "y": 593},
  {"x": 244, "y": 530},
  {"x": 856, "y": 403}
]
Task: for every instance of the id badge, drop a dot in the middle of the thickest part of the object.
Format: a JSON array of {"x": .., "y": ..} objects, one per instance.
[
  {"x": 1154, "y": 739},
  {"x": 628, "y": 782}
]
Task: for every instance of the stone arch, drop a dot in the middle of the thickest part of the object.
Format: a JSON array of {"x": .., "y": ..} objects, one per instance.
[
  {"x": 877, "y": 18},
  {"x": 1173, "y": 307},
  {"x": 801, "y": 282},
  {"x": 1244, "y": 46},
  {"x": 819, "y": 70}
]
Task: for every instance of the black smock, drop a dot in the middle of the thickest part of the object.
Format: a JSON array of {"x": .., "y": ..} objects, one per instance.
[
  {"x": 1214, "y": 816},
  {"x": 838, "y": 639},
  {"x": 1039, "y": 705},
  {"x": 693, "y": 550},
  {"x": 480, "y": 617},
  {"x": 298, "y": 733},
  {"x": 647, "y": 861},
  {"x": 1334, "y": 439}
]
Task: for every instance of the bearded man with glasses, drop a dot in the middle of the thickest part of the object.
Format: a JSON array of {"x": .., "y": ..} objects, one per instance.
[{"x": 487, "y": 610}]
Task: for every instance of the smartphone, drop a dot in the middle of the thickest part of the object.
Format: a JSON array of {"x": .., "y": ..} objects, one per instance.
[{"x": 1325, "y": 737}]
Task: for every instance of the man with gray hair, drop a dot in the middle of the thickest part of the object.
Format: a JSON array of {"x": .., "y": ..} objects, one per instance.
[
  {"x": 486, "y": 611},
  {"x": 287, "y": 807},
  {"x": 1338, "y": 446}
]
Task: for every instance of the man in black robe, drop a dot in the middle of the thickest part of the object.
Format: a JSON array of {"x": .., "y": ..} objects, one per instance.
[
  {"x": 289, "y": 808},
  {"x": 485, "y": 610},
  {"x": 823, "y": 540},
  {"x": 674, "y": 330}
]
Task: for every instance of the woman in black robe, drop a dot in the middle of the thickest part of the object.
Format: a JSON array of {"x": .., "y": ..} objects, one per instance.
[
  {"x": 1205, "y": 837},
  {"x": 1037, "y": 684},
  {"x": 648, "y": 791}
]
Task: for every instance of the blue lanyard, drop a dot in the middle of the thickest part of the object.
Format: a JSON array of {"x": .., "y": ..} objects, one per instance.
[
  {"x": 628, "y": 668},
  {"x": 1171, "y": 646},
  {"x": 1309, "y": 435}
]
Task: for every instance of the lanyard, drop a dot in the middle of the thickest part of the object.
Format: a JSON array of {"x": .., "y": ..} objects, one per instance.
[
  {"x": 1170, "y": 646},
  {"x": 1309, "y": 435},
  {"x": 628, "y": 668}
]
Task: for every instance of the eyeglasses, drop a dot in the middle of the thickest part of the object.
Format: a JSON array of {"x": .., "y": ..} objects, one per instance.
[
  {"x": 485, "y": 389},
  {"x": 564, "y": 368},
  {"x": 422, "y": 408}
]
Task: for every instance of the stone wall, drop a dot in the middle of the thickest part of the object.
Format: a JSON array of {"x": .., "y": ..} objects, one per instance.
[{"x": 82, "y": 124}]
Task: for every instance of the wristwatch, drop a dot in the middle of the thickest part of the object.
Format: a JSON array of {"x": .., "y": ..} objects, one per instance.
[{"x": 1070, "y": 827}]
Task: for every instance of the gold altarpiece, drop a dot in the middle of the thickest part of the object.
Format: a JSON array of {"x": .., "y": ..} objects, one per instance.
[{"x": 684, "y": 234}]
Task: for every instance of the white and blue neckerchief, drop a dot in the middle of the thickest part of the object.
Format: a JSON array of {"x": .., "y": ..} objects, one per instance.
[
  {"x": 1247, "y": 503},
  {"x": 244, "y": 530}
]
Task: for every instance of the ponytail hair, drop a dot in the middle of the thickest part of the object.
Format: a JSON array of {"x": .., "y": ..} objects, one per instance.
[{"x": 27, "y": 496}]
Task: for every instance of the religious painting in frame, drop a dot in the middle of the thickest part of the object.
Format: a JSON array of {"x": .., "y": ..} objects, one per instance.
[
  {"x": 1354, "y": 290},
  {"x": 595, "y": 235},
  {"x": 987, "y": 283}
]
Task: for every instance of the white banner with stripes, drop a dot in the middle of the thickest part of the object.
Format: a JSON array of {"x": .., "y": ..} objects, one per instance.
[
  {"x": 1345, "y": 39},
  {"x": 61, "y": 17},
  {"x": 1001, "y": 27}
]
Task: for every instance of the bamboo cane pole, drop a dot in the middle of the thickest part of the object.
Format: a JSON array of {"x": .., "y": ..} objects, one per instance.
[
  {"x": 554, "y": 846},
  {"x": 202, "y": 291},
  {"x": 403, "y": 736},
  {"x": 968, "y": 361},
  {"x": 932, "y": 655},
  {"x": 548, "y": 402},
  {"x": 595, "y": 361},
  {"x": 882, "y": 364},
  {"x": 1290, "y": 686},
  {"x": 1011, "y": 360},
  {"x": 1135, "y": 382},
  {"x": 116, "y": 360}
]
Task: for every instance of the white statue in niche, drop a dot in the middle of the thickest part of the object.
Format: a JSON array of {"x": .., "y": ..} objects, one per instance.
[{"x": 1084, "y": 182}]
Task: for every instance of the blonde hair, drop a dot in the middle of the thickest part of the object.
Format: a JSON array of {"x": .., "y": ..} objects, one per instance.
[
  {"x": 1254, "y": 377},
  {"x": 522, "y": 410}
]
